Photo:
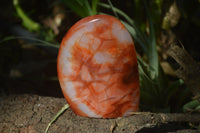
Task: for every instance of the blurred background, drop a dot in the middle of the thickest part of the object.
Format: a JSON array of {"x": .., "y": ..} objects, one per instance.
[{"x": 31, "y": 32}]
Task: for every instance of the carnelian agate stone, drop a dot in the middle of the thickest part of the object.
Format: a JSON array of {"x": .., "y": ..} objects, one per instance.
[{"x": 97, "y": 68}]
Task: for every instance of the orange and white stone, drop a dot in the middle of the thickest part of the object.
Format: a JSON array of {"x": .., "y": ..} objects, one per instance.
[{"x": 97, "y": 68}]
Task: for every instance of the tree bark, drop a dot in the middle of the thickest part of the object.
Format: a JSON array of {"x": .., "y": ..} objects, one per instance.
[{"x": 189, "y": 69}]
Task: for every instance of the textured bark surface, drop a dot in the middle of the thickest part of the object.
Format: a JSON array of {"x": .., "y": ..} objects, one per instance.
[
  {"x": 32, "y": 113},
  {"x": 189, "y": 69}
]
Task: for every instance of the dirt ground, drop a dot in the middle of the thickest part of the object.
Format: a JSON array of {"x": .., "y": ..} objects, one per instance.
[{"x": 32, "y": 113}]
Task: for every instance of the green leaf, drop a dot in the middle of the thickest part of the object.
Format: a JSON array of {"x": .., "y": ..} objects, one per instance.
[
  {"x": 191, "y": 105},
  {"x": 26, "y": 21}
]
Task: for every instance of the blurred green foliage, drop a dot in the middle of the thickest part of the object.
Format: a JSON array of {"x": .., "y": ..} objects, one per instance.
[{"x": 83, "y": 8}]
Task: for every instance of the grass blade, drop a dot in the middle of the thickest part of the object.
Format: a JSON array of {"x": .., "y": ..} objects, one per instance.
[
  {"x": 133, "y": 28},
  {"x": 94, "y": 6},
  {"x": 37, "y": 41},
  {"x": 152, "y": 54},
  {"x": 66, "y": 106}
]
